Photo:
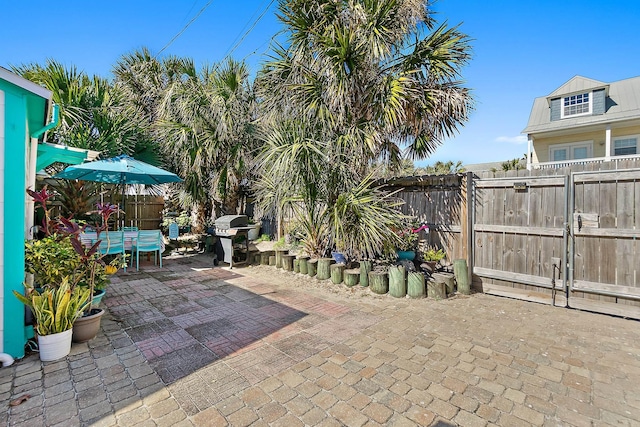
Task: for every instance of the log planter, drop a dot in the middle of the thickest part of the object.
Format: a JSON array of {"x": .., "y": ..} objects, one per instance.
[
  {"x": 351, "y": 277},
  {"x": 279, "y": 254},
  {"x": 303, "y": 264},
  {"x": 415, "y": 285},
  {"x": 397, "y": 282},
  {"x": 462, "y": 279},
  {"x": 287, "y": 262},
  {"x": 365, "y": 268},
  {"x": 436, "y": 290},
  {"x": 264, "y": 257},
  {"x": 312, "y": 266},
  {"x": 379, "y": 282},
  {"x": 272, "y": 260},
  {"x": 337, "y": 273},
  {"x": 324, "y": 268},
  {"x": 447, "y": 279},
  {"x": 296, "y": 265}
]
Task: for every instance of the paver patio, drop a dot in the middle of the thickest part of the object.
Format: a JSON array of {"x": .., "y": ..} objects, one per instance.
[{"x": 193, "y": 345}]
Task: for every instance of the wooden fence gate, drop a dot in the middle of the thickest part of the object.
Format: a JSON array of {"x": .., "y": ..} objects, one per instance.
[
  {"x": 578, "y": 231},
  {"x": 604, "y": 247}
]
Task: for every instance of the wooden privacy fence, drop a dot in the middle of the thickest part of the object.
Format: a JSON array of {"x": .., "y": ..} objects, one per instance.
[
  {"x": 144, "y": 212},
  {"x": 521, "y": 231}
]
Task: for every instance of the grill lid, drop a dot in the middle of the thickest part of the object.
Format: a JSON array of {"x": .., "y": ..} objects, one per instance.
[{"x": 231, "y": 221}]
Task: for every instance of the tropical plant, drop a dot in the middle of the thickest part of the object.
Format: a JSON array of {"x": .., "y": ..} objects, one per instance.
[
  {"x": 433, "y": 254},
  {"x": 55, "y": 309},
  {"x": 440, "y": 168},
  {"x": 205, "y": 120},
  {"x": 60, "y": 257},
  {"x": 370, "y": 76},
  {"x": 357, "y": 81},
  {"x": 514, "y": 164}
]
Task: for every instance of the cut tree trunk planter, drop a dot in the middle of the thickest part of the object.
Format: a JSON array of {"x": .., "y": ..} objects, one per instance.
[
  {"x": 397, "y": 282},
  {"x": 336, "y": 273},
  {"x": 312, "y": 266},
  {"x": 287, "y": 262},
  {"x": 436, "y": 290},
  {"x": 279, "y": 254},
  {"x": 447, "y": 279},
  {"x": 462, "y": 278},
  {"x": 296, "y": 265},
  {"x": 264, "y": 257},
  {"x": 272, "y": 260},
  {"x": 415, "y": 285},
  {"x": 379, "y": 282},
  {"x": 86, "y": 328},
  {"x": 303, "y": 265},
  {"x": 365, "y": 268},
  {"x": 352, "y": 277},
  {"x": 324, "y": 268}
]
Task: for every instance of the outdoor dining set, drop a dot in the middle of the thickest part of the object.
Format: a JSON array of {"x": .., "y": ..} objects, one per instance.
[{"x": 128, "y": 239}]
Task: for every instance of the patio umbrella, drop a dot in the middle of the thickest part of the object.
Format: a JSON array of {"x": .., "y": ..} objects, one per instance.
[{"x": 120, "y": 170}]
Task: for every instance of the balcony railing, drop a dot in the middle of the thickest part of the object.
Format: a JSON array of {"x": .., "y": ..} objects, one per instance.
[{"x": 597, "y": 160}]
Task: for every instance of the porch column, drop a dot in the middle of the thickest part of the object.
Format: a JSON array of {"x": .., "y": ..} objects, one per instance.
[
  {"x": 529, "y": 145},
  {"x": 607, "y": 143}
]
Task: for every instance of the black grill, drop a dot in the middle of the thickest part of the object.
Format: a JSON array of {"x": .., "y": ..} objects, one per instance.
[
  {"x": 228, "y": 222},
  {"x": 229, "y": 227}
]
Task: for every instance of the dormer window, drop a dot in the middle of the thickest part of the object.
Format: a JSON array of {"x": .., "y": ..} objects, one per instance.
[{"x": 576, "y": 105}]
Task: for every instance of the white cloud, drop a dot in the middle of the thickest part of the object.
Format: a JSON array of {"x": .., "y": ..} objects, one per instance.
[{"x": 520, "y": 139}]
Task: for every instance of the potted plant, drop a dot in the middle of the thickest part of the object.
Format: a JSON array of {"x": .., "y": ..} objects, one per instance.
[
  {"x": 433, "y": 256},
  {"x": 61, "y": 256},
  {"x": 407, "y": 245},
  {"x": 254, "y": 232},
  {"x": 55, "y": 309}
]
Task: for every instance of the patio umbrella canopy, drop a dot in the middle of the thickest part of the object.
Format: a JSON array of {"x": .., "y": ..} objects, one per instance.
[{"x": 120, "y": 170}]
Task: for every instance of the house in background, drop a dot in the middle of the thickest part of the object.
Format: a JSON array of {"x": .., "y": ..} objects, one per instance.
[
  {"x": 585, "y": 121},
  {"x": 25, "y": 109}
]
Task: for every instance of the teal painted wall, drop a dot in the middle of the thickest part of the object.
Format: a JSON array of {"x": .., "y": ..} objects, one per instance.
[{"x": 22, "y": 109}]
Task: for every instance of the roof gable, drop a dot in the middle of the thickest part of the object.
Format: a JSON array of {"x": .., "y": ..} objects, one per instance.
[
  {"x": 23, "y": 83},
  {"x": 577, "y": 84}
]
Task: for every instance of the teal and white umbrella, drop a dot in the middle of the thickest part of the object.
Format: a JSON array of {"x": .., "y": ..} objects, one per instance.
[{"x": 121, "y": 170}]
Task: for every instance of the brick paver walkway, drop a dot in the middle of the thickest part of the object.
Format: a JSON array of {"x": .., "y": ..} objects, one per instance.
[{"x": 190, "y": 345}]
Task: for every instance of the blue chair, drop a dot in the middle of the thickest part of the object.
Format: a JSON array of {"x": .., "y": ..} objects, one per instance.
[
  {"x": 148, "y": 241},
  {"x": 129, "y": 228},
  {"x": 112, "y": 243}
]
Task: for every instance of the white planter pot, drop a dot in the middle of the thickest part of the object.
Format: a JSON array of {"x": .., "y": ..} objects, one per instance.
[
  {"x": 55, "y": 346},
  {"x": 254, "y": 233}
]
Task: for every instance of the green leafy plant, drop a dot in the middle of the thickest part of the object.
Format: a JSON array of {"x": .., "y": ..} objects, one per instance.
[
  {"x": 60, "y": 257},
  {"x": 434, "y": 255},
  {"x": 280, "y": 243},
  {"x": 264, "y": 238},
  {"x": 55, "y": 309},
  {"x": 183, "y": 220}
]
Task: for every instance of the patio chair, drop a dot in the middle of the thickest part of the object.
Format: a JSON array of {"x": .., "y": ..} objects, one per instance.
[
  {"x": 148, "y": 241},
  {"x": 112, "y": 243},
  {"x": 129, "y": 228}
]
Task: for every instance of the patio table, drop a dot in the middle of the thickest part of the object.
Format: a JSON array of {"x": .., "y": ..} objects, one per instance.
[{"x": 89, "y": 237}]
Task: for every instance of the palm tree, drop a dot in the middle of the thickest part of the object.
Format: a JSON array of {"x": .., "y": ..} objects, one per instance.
[
  {"x": 205, "y": 120},
  {"x": 366, "y": 82},
  {"x": 376, "y": 76},
  {"x": 93, "y": 116},
  {"x": 441, "y": 168}
]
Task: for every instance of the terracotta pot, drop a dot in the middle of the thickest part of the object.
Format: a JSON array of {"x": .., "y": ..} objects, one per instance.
[{"x": 87, "y": 327}]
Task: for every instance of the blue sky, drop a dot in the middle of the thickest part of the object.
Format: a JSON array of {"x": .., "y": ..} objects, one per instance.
[{"x": 521, "y": 49}]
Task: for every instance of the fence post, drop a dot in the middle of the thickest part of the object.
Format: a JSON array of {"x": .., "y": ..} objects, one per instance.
[{"x": 466, "y": 223}]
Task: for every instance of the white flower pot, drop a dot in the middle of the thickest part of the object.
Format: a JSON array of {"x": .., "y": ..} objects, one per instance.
[
  {"x": 254, "y": 232},
  {"x": 55, "y": 346}
]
